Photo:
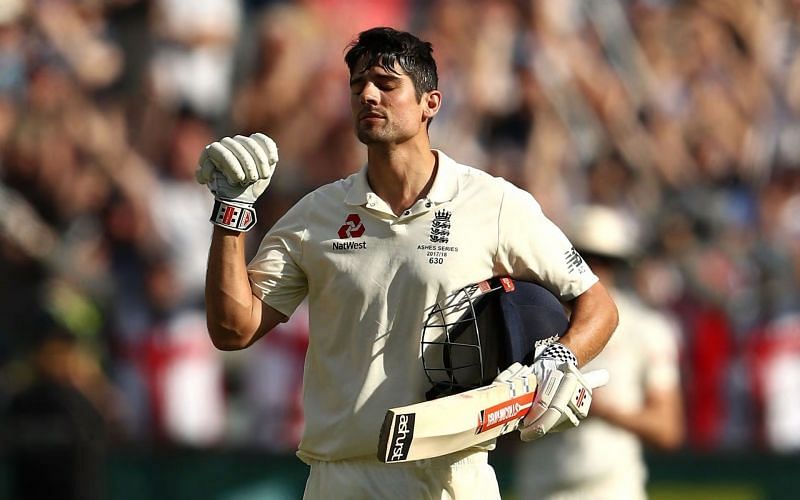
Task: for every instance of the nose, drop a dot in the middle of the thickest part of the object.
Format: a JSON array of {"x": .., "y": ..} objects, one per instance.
[{"x": 369, "y": 94}]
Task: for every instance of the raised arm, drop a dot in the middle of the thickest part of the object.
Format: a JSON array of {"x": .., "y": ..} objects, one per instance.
[
  {"x": 237, "y": 171},
  {"x": 236, "y": 318}
]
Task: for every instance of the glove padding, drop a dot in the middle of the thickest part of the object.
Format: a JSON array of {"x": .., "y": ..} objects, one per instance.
[
  {"x": 237, "y": 170},
  {"x": 563, "y": 394},
  {"x": 516, "y": 370},
  {"x": 561, "y": 401}
]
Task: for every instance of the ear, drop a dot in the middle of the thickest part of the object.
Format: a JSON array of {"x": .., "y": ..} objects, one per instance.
[{"x": 431, "y": 102}]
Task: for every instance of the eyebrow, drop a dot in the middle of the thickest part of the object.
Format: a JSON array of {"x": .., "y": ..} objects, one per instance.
[{"x": 379, "y": 76}]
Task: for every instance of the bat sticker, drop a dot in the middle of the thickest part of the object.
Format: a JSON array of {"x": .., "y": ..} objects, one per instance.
[
  {"x": 403, "y": 433},
  {"x": 507, "y": 411}
]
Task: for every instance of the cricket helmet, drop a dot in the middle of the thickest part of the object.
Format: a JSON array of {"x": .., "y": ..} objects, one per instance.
[{"x": 482, "y": 328}]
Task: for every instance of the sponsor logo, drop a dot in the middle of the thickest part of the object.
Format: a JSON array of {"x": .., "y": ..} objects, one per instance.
[
  {"x": 352, "y": 227},
  {"x": 574, "y": 261},
  {"x": 508, "y": 284},
  {"x": 505, "y": 412},
  {"x": 440, "y": 227},
  {"x": 403, "y": 433},
  {"x": 349, "y": 245},
  {"x": 580, "y": 397},
  {"x": 235, "y": 217}
]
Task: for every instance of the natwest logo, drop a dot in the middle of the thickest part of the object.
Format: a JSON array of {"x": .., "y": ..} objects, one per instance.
[{"x": 352, "y": 227}]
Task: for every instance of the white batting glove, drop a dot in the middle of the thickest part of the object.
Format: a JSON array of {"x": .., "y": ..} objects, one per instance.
[
  {"x": 237, "y": 170},
  {"x": 563, "y": 394},
  {"x": 516, "y": 370}
]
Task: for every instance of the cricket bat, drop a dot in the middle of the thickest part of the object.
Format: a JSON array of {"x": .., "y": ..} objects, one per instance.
[{"x": 449, "y": 424}]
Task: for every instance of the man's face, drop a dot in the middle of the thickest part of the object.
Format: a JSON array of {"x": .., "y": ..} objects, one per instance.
[{"x": 385, "y": 106}]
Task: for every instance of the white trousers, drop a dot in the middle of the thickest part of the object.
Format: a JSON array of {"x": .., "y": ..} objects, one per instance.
[{"x": 445, "y": 478}]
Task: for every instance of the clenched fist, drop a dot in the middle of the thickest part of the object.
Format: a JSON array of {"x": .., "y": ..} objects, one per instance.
[
  {"x": 237, "y": 170},
  {"x": 563, "y": 394}
]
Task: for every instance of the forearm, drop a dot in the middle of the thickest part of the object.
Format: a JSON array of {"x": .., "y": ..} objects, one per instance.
[
  {"x": 233, "y": 313},
  {"x": 236, "y": 170},
  {"x": 594, "y": 318},
  {"x": 659, "y": 423}
]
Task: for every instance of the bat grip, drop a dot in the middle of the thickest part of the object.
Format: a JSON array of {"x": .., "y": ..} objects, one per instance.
[{"x": 596, "y": 378}]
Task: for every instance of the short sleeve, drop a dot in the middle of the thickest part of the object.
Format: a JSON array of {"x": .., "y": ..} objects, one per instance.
[
  {"x": 532, "y": 247},
  {"x": 276, "y": 274}
]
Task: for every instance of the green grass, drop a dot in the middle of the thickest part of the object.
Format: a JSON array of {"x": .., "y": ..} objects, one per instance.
[{"x": 689, "y": 491}]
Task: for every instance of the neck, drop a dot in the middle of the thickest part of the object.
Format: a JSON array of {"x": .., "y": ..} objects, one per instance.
[{"x": 401, "y": 175}]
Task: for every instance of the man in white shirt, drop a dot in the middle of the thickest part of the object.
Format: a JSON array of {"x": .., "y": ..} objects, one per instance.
[
  {"x": 370, "y": 253},
  {"x": 641, "y": 405}
]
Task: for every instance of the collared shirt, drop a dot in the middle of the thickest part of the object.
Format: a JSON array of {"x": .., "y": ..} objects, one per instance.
[{"x": 370, "y": 274}]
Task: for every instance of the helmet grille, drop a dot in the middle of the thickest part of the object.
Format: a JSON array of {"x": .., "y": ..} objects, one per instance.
[{"x": 458, "y": 354}]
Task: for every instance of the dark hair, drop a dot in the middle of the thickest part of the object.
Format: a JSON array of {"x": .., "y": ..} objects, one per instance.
[{"x": 386, "y": 46}]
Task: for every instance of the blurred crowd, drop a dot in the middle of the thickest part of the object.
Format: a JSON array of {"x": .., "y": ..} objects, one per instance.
[{"x": 682, "y": 114}]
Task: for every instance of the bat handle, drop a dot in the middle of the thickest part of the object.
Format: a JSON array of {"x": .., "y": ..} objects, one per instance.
[{"x": 597, "y": 378}]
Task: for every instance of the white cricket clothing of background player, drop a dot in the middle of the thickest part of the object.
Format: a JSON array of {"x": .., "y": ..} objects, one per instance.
[
  {"x": 599, "y": 460},
  {"x": 367, "y": 295}
]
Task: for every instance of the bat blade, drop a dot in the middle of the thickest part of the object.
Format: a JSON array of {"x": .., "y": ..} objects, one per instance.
[{"x": 442, "y": 426}]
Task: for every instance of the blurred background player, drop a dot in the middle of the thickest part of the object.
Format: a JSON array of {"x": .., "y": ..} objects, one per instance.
[{"x": 641, "y": 404}]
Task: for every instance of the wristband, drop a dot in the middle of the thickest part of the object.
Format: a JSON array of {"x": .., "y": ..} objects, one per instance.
[
  {"x": 559, "y": 352},
  {"x": 233, "y": 216}
]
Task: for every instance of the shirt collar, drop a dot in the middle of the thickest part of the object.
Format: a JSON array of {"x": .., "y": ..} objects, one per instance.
[
  {"x": 357, "y": 194},
  {"x": 445, "y": 185},
  {"x": 444, "y": 188}
]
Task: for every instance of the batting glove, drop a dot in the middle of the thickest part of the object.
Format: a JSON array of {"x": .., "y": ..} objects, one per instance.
[
  {"x": 563, "y": 394},
  {"x": 237, "y": 170},
  {"x": 516, "y": 370}
]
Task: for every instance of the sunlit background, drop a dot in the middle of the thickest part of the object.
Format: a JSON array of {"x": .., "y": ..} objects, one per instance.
[{"x": 685, "y": 115}]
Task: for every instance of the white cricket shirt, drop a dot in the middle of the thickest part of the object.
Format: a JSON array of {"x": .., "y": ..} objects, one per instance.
[{"x": 369, "y": 275}]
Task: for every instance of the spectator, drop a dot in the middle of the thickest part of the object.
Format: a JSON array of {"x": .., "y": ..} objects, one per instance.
[{"x": 56, "y": 428}]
